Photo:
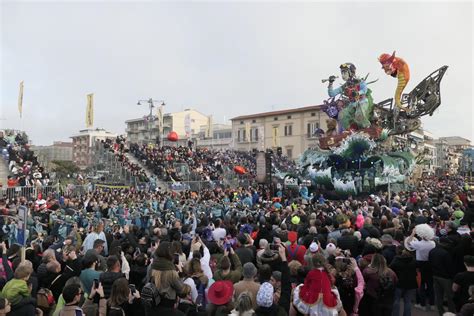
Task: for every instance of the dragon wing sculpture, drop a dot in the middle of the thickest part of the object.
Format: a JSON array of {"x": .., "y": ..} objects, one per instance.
[{"x": 423, "y": 100}]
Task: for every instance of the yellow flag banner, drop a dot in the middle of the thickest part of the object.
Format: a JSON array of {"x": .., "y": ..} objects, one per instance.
[
  {"x": 160, "y": 120},
  {"x": 275, "y": 136},
  {"x": 247, "y": 132},
  {"x": 90, "y": 110},
  {"x": 209, "y": 131},
  {"x": 20, "y": 99}
]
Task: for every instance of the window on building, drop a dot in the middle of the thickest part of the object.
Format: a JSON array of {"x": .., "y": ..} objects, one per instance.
[
  {"x": 238, "y": 135},
  {"x": 313, "y": 114},
  {"x": 241, "y": 122},
  {"x": 254, "y": 121},
  {"x": 244, "y": 134},
  {"x": 312, "y": 127},
  {"x": 275, "y": 118},
  {"x": 289, "y": 152},
  {"x": 256, "y": 134},
  {"x": 289, "y": 117},
  {"x": 288, "y": 130}
]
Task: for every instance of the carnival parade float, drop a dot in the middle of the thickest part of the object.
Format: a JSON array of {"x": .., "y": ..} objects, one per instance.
[{"x": 355, "y": 155}]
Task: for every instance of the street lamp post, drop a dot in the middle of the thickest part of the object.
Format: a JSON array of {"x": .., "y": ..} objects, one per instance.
[{"x": 150, "y": 120}]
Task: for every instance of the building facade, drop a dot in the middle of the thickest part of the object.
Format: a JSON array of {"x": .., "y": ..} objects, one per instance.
[
  {"x": 185, "y": 123},
  {"x": 450, "y": 151},
  {"x": 82, "y": 145},
  {"x": 58, "y": 151},
  {"x": 221, "y": 138},
  {"x": 293, "y": 130},
  {"x": 429, "y": 151}
]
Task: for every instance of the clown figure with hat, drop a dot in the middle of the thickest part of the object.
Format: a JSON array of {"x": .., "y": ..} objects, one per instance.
[{"x": 398, "y": 68}]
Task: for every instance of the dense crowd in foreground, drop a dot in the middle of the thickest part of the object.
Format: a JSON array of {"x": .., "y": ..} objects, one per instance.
[{"x": 240, "y": 252}]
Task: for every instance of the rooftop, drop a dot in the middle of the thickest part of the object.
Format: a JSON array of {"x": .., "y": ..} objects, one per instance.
[{"x": 280, "y": 112}]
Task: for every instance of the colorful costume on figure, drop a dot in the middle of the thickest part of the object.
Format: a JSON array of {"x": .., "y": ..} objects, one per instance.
[
  {"x": 396, "y": 67},
  {"x": 358, "y": 111}
]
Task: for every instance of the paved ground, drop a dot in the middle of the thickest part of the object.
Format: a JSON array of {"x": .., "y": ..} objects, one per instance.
[{"x": 420, "y": 312}]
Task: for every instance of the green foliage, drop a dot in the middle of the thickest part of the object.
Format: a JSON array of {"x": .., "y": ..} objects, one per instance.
[{"x": 64, "y": 168}]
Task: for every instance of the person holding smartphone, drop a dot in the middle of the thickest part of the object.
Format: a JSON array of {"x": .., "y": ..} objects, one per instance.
[
  {"x": 89, "y": 274},
  {"x": 224, "y": 268}
]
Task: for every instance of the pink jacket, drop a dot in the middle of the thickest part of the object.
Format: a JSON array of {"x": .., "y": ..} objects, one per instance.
[
  {"x": 359, "y": 291},
  {"x": 359, "y": 221}
]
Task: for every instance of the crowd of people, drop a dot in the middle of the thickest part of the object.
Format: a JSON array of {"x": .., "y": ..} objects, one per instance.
[
  {"x": 117, "y": 146},
  {"x": 23, "y": 164},
  {"x": 234, "y": 251},
  {"x": 240, "y": 252},
  {"x": 182, "y": 163}
]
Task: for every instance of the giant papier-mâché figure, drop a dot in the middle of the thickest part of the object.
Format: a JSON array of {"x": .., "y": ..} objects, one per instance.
[
  {"x": 398, "y": 68},
  {"x": 358, "y": 110}
]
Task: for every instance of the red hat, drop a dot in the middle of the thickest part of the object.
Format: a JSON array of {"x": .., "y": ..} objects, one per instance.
[
  {"x": 386, "y": 58},
  {"x": 292, "y": 236},
  {"x": 220, "y": 292}
]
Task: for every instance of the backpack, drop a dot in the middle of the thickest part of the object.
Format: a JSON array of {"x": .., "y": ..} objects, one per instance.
[
  {"x": 292, "y": 254},
  {"x": 45, "y": 300},
  {"x": 115, "y": 310},
  {"x": 150, "y": 295},
  {"x": 386, "y": 285},
  {"x": 201, "y": 290}
]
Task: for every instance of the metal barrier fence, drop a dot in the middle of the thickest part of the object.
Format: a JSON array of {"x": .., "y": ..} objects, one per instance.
[{"x": 54, "y": 190}]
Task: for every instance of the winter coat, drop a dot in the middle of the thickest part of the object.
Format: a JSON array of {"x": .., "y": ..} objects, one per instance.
[
  {"x": 405, "y": 269},
  {"x": 349, "y": 242},
  {"x": 234, "y": 275}
]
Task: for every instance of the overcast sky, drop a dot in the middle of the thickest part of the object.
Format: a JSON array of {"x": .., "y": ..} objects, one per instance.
[{"x": 225, "y": 59}]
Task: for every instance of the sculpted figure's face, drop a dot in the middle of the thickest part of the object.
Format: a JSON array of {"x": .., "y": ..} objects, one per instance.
[
  {"x": 388, "y": 69},
  {"x": 345, "y": 75}
]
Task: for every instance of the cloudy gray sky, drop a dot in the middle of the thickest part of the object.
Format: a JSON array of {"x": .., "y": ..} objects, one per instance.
[{"x": 225, "y": 59}]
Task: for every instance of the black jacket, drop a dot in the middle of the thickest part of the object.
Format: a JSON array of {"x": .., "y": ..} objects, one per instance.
[
  {"x": 389, "y": 253},
  {"x": 349, "y": 242},
  {"x": 369, "y": 231},
  {"x": 441, "y": 262},
  {"x": 405, "y": 269},
  {"x": 246, "y": 254},
  {"x": 107, "y": 279}
]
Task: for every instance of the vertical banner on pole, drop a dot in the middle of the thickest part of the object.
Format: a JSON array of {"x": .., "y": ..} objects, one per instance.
[
  {"x": 20, "y": 100},
  {"x": 187, "y": 125},
  {"x": 247, "y": 132},
  {"x": 261, "y": 134},
  {"x": 275, "y": 136},
  {"x": 160, "y": 124},
  {"x": 90, "y": 110},
  {"x": 209, "y": 131}
]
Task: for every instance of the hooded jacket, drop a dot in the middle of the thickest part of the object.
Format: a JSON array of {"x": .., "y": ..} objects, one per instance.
[
  {"x": 405, "y": 269},
  {"x": 234, "y": 275},
  {"x": 170, "y": 285}
]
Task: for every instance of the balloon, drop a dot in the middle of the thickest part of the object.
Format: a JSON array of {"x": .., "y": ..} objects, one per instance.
[
  {"x": 240, "y": 170},
  {"x": 173, "y": 136}
]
